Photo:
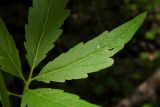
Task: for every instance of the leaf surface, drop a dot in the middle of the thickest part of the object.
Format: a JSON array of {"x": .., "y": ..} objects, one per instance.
[
  {"x": 4, "y": 96},
  {"x": 44, "y": 22},
  {"x": 52, "y": 98},
  {"x": 9, "y": 56},
  {"x": 91, "y": 56}
]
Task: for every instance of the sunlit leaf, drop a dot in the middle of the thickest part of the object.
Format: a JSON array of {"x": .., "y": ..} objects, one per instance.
[
  {"x": 91, "y": 56},
  {"x": 52, "y": 98}
]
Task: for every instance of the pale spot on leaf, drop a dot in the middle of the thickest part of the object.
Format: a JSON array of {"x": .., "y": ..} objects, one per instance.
[{"x": 98, "y": 46}]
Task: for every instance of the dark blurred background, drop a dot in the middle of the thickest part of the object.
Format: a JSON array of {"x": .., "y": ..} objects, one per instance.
[{"x": 133, "y": 79}]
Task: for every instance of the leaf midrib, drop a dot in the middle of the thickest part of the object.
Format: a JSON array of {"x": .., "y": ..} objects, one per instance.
[
  {"x": 41, "y": 36},
  {"x": 81, "y": 59}
]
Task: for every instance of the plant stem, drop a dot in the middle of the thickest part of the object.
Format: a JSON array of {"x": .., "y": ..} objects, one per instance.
[
  {"x": 4, "y": 92},
  {"x": 14, "y": 94},
  {"x": 23, "y": 79},
  {"x": 27, "y": 83}
]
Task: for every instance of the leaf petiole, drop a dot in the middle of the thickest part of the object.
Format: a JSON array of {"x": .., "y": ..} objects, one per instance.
[{"x": 14, "y": 94}]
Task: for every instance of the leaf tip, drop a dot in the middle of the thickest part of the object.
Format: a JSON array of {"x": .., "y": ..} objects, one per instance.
[{"x": 143, "y": 15}]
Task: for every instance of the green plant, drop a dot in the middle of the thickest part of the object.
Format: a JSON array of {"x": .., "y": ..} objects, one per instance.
[{"x": 43, "y": 28}]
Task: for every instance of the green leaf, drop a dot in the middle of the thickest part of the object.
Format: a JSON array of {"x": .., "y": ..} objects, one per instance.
[
  {"x": 9, "y": 56},
  {"x": 44, "y": 22},
  {"x": 0, "y": 97},
  {"x": 91, "y": 56},
  {"x": 4, "y": 96},
  {"x": 52, "y": 98}
]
